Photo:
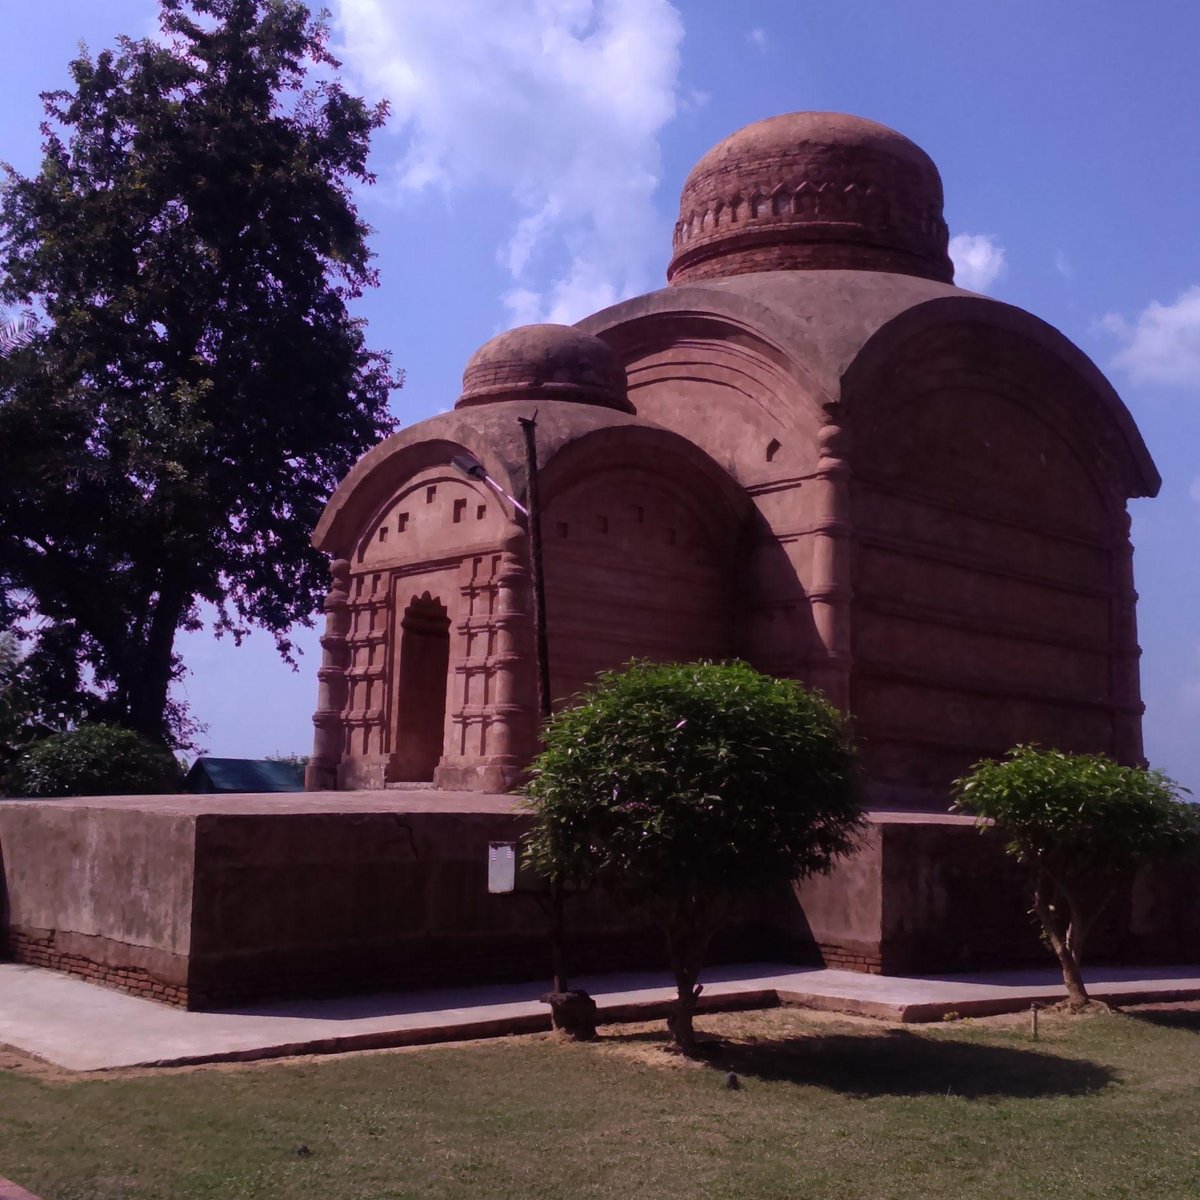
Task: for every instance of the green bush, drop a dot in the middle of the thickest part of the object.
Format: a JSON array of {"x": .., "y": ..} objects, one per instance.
[
  {"x": 1079, "y": 823},
  {"x": 685, "y": 789},
  {"x": 95, "y": 760}
]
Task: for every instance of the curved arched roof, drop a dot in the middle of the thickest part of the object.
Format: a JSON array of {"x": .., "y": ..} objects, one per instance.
[
  {"x": 492, "y": 434},
  {"x": 833, "y": 323}
]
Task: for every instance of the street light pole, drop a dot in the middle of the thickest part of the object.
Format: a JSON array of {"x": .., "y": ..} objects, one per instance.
[
  {"x": 574, "y": 1012},
  {"x": 542, "y": 655},
  {"x": 534, "y": 515}
]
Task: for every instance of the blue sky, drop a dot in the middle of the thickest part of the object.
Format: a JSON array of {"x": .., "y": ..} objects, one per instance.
[{"x": 532, "y": 169}]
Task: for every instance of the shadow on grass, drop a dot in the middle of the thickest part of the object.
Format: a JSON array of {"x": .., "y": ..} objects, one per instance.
[
  {"x": 899, "y": 1063},
  {"x": 1168, "y": 1018}
]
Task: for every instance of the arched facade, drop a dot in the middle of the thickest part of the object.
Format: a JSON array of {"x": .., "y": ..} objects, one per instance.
[
  {"x": 993, "y": 600},
  {"x": 810, "y": 451},
  {"x": 429, "y": 667}
]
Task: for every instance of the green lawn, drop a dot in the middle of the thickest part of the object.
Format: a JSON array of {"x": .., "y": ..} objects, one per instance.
[{"x": 1103, "y": 1106}]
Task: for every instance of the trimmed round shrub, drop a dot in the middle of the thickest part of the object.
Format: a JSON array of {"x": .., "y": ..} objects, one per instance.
[
  {"x": 687, "y": 788},
  {"x": 95, "y": 760}
]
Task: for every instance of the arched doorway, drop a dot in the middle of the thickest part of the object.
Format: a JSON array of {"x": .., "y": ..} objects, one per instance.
[{"x": 419, "y": 716}]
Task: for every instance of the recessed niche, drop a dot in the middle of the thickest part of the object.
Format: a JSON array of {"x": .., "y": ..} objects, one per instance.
[
  {"x": 430, "y": 492},
  {"x": 401, "y": 522},
  {"x": 773, "y": 448},
  {"x": 383, "y": 532},
  {"x": 460, "y": 507},
  {"x": 481, "y": 512}
]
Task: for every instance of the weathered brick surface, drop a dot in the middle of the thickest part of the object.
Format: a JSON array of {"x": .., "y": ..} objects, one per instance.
[
  {"x": 42, "y": 948},
  {"x": 839, "y": 958},
  {"x": 806, "y": 191}
]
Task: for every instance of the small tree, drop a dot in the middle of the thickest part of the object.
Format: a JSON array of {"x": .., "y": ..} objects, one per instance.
[
  {"x": 686, "y": 788},
  {"x": 1079, "y": 823}
]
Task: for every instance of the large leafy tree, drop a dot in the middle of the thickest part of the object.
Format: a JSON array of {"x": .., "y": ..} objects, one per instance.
[
  {"x": 195, "y": 386},
  {"x": 1080, "y": 824},
  {"x": 686, "y": 789}
]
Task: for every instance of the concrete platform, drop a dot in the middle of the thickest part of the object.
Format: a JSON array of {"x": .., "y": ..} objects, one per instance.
[{"x": 82, "y": 1027}]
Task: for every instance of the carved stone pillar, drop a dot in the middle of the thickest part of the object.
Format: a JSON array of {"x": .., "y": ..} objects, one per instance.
[
  {"x": 328, "y": 735},
  {"x": 1126, "y": 656},
  {"x": 514, "y": 740},
  {"x": 830, "y": 592},
  {"x": 491, "y": 726}
]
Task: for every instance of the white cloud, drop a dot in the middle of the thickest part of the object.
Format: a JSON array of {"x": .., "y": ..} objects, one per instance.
[
  {"x": 978, "y": 260},
  {"x": 1162, "y": 343},
  {"x": 1062, "y": 264},
  {"x": 757, "y": 37},
  {"x": 560, "y": 103}
]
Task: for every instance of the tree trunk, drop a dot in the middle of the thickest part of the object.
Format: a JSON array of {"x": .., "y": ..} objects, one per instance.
[
  {"x": 686, "y": 945},
  {"x": 1061, "y": 943},
  {"x": 150, "y": 680}
]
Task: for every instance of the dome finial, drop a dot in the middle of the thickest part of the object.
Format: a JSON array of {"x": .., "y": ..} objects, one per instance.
[
  {"x": 812, "y": 191},
  {"x": 545, "y": 362}
]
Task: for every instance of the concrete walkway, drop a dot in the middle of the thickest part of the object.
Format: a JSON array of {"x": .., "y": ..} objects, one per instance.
[{"x": 84, "y": 1027}]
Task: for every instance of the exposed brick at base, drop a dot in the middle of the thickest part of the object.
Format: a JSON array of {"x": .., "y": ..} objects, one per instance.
[
  {"x": 839, "y": 958},
  {"x": 403, "y": 966},
  {"x": 40, "y": 948}
]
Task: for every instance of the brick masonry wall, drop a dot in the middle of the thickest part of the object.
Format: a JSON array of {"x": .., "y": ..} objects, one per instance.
[
  {"x": 234, "y": 981},
  {"x": 843, "y": 959},
  {"x": 40, "y": 948}
]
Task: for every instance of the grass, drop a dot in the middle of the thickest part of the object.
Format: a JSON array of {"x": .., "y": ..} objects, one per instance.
[{"x": 1100, "y": 1106}]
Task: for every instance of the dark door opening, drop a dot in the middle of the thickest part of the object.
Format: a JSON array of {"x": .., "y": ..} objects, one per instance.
[{"x": 424, "y": 663}]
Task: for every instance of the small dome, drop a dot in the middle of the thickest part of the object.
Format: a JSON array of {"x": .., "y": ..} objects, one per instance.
[
  {"x": 545, "y": 362},
  {"x": 812, "y": 191}
]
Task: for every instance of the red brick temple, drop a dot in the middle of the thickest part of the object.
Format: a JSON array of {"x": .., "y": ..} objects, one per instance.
[{"x": 810, "y": 450}]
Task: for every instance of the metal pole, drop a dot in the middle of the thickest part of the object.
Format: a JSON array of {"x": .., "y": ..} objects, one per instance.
[
  {"x": 542, "y": 653},
  {"x": 529, "y": 428}
]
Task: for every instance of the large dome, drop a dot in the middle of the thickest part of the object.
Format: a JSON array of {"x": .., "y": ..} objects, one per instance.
[
  {"x": 545, "y": 362},
  {"x": 812, "y": 191}
]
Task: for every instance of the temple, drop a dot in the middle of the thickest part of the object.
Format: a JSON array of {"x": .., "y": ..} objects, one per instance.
[{"x": 810, "y": 451}]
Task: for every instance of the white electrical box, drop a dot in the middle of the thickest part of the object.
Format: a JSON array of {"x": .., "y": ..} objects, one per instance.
[{"x": 502, "y": 867}]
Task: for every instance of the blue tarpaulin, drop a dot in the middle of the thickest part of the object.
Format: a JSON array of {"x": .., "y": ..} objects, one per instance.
[{"x": 244, "y": 775}]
